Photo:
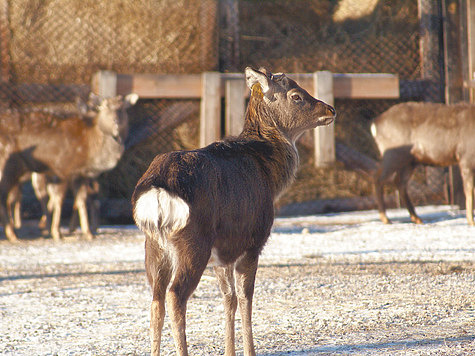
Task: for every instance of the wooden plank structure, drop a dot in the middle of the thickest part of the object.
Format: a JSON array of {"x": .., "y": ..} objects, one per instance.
[{"x": 210, "y": 87}]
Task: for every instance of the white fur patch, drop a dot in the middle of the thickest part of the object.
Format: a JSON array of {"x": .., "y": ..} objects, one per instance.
[
  {"x": 157, "y": 212},
  {"x": 214, "y": 260},
  {"x": 373, "y": 129}
]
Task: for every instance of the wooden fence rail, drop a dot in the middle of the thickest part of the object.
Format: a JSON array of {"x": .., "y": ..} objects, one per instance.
[{"x": 210, "y": 87}]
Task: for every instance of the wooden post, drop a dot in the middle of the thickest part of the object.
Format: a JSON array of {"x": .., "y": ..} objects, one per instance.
[
  {"x": 104, "y": 83},
  {"x": 5, "y": 59},
  {"x": 229, "y": 35},
  {"x": 210, "y": 115},
  {"x": 471, "y": 47},
  {"x": 431, "y": 49},
  {"x": 235, "y": 90},
  {"x": 455, "y": 92},
  {"x": 324, "y": 135},
  {"x": 208, "y": 35}
]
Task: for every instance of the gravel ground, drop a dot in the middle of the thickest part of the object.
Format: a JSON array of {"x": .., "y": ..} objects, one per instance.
[{"x": 333, "y": 284}]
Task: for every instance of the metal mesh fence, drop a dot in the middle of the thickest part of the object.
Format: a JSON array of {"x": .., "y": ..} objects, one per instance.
[
  {"x": 345, "y": 36},
  {"x": 51, "y": 48}
]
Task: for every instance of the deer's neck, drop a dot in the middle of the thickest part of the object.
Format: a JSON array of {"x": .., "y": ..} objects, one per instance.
[
  {"x": 275, "y": 153},
  {"x": 104, "y": 153}
]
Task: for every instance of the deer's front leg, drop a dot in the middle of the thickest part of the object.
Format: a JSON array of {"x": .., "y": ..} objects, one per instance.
[
  {"x": 7, "y": 224},
  {"x": 81, "y": 204},
  {"x": 467, "y": 177},
  {"x": 58, "y": 191},
  {"x": 225, "y": 277},
  {"x": 246, "y": 269}
]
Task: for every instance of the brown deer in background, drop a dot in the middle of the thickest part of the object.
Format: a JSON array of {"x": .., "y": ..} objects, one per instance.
[
  {"x": 215, "y": 206},
  {"x": 39, "y": 184},
  {"x": 424, "y": 133},
  {"x": 68, "y": 147}
]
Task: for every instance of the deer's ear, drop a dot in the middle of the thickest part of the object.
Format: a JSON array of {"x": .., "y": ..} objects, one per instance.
[
  {"x": 282, "y": 80},
  {"x": 130, "y": 99},
  {"x": 81, "y": 106},
  {"x": 255, "y": 77},
  {"x": 94, "y": 101}
]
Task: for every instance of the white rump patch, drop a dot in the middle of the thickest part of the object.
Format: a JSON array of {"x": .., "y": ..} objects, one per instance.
[{"x": 159, "y": 213}]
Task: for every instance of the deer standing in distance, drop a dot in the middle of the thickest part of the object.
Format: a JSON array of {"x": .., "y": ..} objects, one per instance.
[
  {"x": 215, "y": 206},
  {"x": 69, "y": 148},
  {"x": 85, "y": 191},
  {"x": 413, "y": 133}
]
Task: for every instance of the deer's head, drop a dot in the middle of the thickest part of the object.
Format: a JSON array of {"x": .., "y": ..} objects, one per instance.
[
  {"x": 110, "y": 113},
  {"x": 279, "y": 101}
]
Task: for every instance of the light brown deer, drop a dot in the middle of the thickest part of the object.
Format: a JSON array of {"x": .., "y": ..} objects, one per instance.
[
  {"x": 215, "y": 206},
  {"x": 70, "y": 147},
  {"x": 424, "y": 133}
]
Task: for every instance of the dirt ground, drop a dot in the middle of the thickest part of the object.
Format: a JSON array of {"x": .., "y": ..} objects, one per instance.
[{"x": 92, "y": 298}]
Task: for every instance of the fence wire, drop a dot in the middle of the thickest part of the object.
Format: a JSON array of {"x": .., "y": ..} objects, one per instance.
[{"x": 51, "y": 48}]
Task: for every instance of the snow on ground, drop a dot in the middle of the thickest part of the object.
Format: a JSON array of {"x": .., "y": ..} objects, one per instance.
[
  {"x": 79, "y": 297},
  {"x": 353, "y": 236},
  {"x": 360, "y": 236}
]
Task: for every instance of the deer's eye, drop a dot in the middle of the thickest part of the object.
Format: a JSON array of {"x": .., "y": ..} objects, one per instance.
[{"x": 296, "y": 97}]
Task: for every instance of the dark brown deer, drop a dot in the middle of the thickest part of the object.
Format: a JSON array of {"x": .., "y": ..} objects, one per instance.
[
  {"x": 215, "y": 205},
  {"x": 424, "y": 133},
  {"x": 69, "y": 147}
]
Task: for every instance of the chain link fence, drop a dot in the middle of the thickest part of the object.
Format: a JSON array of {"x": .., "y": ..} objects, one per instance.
[{"x": 51, "y": 48}]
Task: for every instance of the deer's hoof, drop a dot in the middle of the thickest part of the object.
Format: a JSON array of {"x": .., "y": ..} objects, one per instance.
[
  {"x": 12, "y": 239},
  {"x": 10, "y": 234},
  {"x": 43, "y": 224},
  {"x": 89, "y": 236},
  {"x": 384, "y": 218},
  {"x": 56, "y": 236},
  {"x": 416, "y": 220}
]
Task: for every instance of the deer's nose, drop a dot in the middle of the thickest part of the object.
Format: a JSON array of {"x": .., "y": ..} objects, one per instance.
[{"x": 332, "y": 110}]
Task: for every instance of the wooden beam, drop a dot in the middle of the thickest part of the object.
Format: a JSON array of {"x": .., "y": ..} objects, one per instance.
[
  {"x": 365, "y": 86},
  {"x": 348, "y": 86},
  {"x": 356, "y": 85},
  {"x": 184, "y": 86}
]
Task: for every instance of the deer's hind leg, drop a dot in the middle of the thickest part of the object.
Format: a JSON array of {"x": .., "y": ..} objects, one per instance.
[
  {"x": 191, "y": 255},
  {"x": 57, "y": 198},
  {"x": 402, "y": 180},
  {"x": 225, "y": 277},
  {"x": 39, "y": 182},
  {"x": 467, "y": 177},
  {"x": 394, "y": 161},
  {"x": 159, "y": 272},
  {"x": 14, "y": 206},
  {"x": 80, "y": 203}
]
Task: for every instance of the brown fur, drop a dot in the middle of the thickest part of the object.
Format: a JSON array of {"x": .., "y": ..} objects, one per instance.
[
  {"x": 424, "y": 133},
  {"x": 230, "y": 188},
  {"x": 69, "y": 147}
]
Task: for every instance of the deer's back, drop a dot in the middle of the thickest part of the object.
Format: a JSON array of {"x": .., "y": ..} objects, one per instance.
[
  {"x": 228, "y": 193},
  {"x": 44, "y": 141},
  {"x": 434, "y": 133}
]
